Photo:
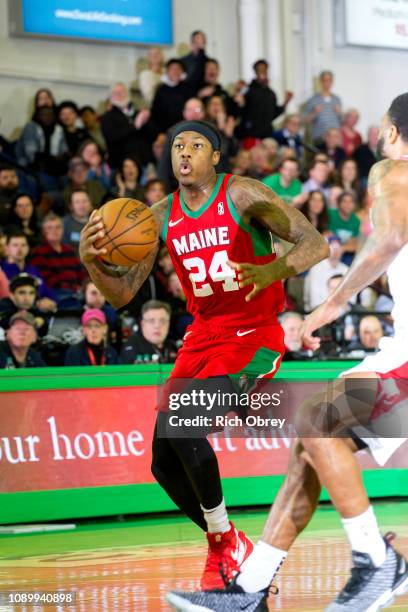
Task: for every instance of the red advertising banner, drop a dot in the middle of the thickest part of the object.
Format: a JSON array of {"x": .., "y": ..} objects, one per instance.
[{"x": 95, "y": 437}]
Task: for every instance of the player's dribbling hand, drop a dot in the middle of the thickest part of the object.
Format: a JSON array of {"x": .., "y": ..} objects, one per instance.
[
  {"x": 91, "y": 232},
  {"x": 251, "y": 274},
  {"x": 322, "y": 315}
]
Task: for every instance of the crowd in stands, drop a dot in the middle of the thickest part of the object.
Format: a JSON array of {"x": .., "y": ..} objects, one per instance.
[{"x": 68, "y": 161}]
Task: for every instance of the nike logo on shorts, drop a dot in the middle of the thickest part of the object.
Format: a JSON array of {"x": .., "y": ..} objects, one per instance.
[
  {"x": 245, "y": 332},
  {"x": 173, "y": 223}
]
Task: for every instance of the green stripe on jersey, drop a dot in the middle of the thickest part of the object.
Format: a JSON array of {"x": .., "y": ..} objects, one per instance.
[
  {"x": 263, "y": 362},
  {"x": 196, "y": 213},
  {"x": 166, "y": 218}
]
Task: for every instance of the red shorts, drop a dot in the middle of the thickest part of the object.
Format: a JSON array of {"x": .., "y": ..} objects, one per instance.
[{"x": 253, "y": 351}]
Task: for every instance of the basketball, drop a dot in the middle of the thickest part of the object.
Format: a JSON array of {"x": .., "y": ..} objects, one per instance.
[{"x": 130, "y": 231}]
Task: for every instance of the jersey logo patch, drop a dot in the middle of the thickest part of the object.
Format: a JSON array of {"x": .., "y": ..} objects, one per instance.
[
  {"x": 220, "y": 208},
  {"x": 173, "y": 223},
  {"x": 244, "y": 333}
]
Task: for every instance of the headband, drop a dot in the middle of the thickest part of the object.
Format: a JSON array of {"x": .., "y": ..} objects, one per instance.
[{"x": 202, "y": 127}]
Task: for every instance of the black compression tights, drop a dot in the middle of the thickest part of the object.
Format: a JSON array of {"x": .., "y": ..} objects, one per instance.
[{"x": 187, "y": 469}]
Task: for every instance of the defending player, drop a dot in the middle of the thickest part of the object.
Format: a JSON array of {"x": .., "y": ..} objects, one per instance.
[
  {"x": 208, "y": 222},
  {"x": 379, "y": 572}
]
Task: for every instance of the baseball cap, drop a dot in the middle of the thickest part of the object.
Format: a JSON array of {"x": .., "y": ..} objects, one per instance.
[
  {"x": 22, "y": 280},
  {"x": 22, "y": 315},
  {"x": 93, "y": 314},
  {"x": 331, "y": 239}
]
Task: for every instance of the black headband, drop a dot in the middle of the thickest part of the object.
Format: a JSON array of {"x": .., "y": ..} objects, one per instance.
[{"x": 202, "y": 127}]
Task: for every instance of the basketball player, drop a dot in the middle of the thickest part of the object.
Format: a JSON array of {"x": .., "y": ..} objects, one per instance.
[
  {"x": 379, "y": 572},
  {"x": 217, "y": 230}
]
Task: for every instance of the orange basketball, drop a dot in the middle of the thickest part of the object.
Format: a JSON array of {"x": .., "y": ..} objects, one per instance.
[{"x": 130, "y": 232}]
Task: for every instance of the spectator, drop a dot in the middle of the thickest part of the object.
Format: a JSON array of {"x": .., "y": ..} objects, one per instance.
[
  {"x": 16, "y": 351},
  {"x": 80, "y": 207},
  {"x": 261, "y": 106},
  {"x": 93, "y": 298},
  {"x": 348, "y": 179},
  {"x": 192, "y": 62},
  {"x": 290, "y": 135},
  {"x": 3, "y": 241},
  {"x": 318, "y": 179},
  {"x": 241, "y": 163},
  {"x": 285, "y": 182},
  {"x": 316, "y": 289},
  {"x": 260, "y": 166},
  {"x": 350, "y": 136},
  {"x": 163, "y": 270},
  {"x": 57, "y": 262},
  {"x": 92, "y": 350},
  {"x": 23, "y": 216},
  {"x": 150, "y": 343},
  {"x": 151, "y": 170},
  {"x": 332, "y": 147},
  {"x": 345, "y": 224},
  {"x": 8, "y": 191},
  {"x": 364, "y": 215},
  {"x": 17, "y": 249},
  {"x": 127, "y": 131},
  {"x": 4, "y": 285},
  {"x": 127, "y": 180},
  {"x": 193, "y": 110},
  {"x": 99, "y": 170},
  {"x": 154, "y": 191},
  {"x": 23, "y": 296},
  {"x": 366, "y": 154},
  {"x": 149, "y": 79},
  {"x": 90, "y": 120},
  {"x": 370, "y": 332},
  {"x": 213, "y": 88},
  {"x": 78, "y": 179},
  {"x": 44, "y": 97},
  {"x": 175, "y": 90},
  {"x": 68, "y": 117},
  {"x": 323, "y": 110},
  {"x": 180, "y": 318},
  {"x": 292, "y": 326},
  {"x": 216, "y": 114},
  {"x": 315, "y": 210}
]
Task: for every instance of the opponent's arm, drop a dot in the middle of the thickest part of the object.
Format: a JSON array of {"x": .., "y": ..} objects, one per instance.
[
  {"x": 253, "y": 200},
  {"x": 118, "y": 288}
]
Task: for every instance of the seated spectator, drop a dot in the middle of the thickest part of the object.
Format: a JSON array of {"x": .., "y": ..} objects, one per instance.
[
  {"x": 332, "y": 147},
  {"x": 370, "y": 332},
  {"x": 78, "y": 179},
  {"x": 90, "y": 120},
  {"x": 93, "y": 298},
  {"x": 3, "y": 241},
  {"x": 351, "y": 138},
  {"x": 272, "y": 150},
  {"x": 366, "y": 227},
  {"x": 292, "y": 323},
  {"x": 99, "y": 170},
  {"x": 44, "y": 97},
  {"x": 318, "y": 178},
  {"x": 163, "y": 270},
  {"x": 4, "y": 285},
  {"x": 216, "y": 114},
  {"x": 127, "y": 180},
  {"x": 149, "y": 79},
  {"x": 348, "y": 179},
  {"x": 8, "y": 191},
  {"x": 323, "y": 110},
  {"x": 57, "y": 262},
  {"x": 315, "y": 210},
  {"x": 93, "y": 349},
  {"x": 345, "y": 224},
  {"x": 213, "y": 88},
  {"x": 23, "y": 296},
  {"x": 180, "y": 318},
  {"x": 290, "y": 135},
  {"x": 241, "y": 163},
  {"x": 285, "y": 182},
  {"x": 80, "y": 207},
  {"x": 316, "y": 288},
  {"x": 150, "y": 343},
  {"x": 154, "y": 191},
  {"x": 192, "y": 61},
  {"x": 127, "y": 131},
  {"x": 16, "y": 351},
  {"x": 68, "y": 117},
  {"x": 23, "y": 216},
  {"x": 366, "y": 154},
  {"x": 15, "y": 263},
  {"x": 260, "y": 166},
  {"x": 261, "y": 105}
]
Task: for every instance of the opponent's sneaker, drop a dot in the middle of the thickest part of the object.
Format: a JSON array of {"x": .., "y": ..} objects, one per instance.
[
  {"x": 231, "y": 599},
  {"x": 371, "y": 588},
  {"x": 226, "y": 553}
]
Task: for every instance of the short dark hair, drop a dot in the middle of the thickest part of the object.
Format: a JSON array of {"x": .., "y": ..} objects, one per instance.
[
  {"x": 74, "y": 191},
  {"x": 152, "y": 182},
  {"x": 290, "y": 159},
  {"x": 87, "y": 108},
  {"x": 398, "y": 114},
  {"x": 212, "y": 60},
  {"x": 68, "y": 104},
  {"x": 345, "y": 194},
  {"x": 194, "y": 34},
  {"x": 4, "y": 167},
  {"x": 259, "y": 62},
  {"x": 335, "y": 276},
  {"x": 174, "y": 60},
  {"x": 155, "y": 305},
  {"x": 15, "y": 233}
]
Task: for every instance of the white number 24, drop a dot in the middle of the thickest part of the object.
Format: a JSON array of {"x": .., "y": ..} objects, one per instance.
[{"x": 219, "y": 271}]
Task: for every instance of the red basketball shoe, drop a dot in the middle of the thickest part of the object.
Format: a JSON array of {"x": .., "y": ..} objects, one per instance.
[{"x": 226, "y": 553}]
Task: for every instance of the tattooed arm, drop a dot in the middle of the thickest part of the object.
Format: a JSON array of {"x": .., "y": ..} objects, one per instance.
[
  {"x": 253, "y": 200},
  {"x": 388, "y": 188},
  {"x": 117, "y": 288}
]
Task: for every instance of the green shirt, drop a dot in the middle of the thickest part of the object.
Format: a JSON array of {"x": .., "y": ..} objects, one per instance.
[
  {"x": 343, "y": 229},
  {"x": 286, "y": 193}
]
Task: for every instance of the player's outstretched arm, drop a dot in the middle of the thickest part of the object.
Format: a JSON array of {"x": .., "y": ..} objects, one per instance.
[
  {"x": 253, "y": 200},
  {"x": 118, "y": 288}
]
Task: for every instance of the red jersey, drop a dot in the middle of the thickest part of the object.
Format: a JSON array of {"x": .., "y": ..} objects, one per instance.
[{"x": 200, "y": 244}]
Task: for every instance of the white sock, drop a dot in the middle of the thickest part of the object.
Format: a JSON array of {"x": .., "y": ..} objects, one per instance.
[
  {"x": 217, "y": 518},
  {"x": 262, "y": 564},
  {"x": 364, "y": 535}
]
